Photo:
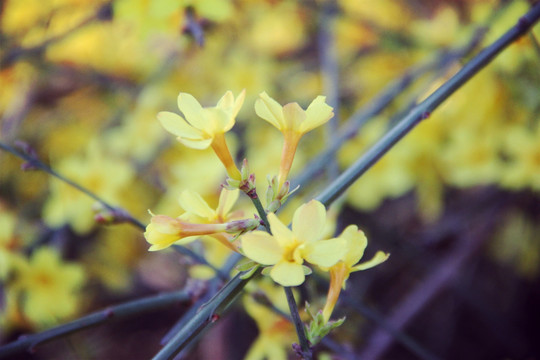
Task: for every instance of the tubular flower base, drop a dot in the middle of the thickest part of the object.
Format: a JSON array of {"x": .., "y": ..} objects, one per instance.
[
  {"x": 293, "y": 122},
  {"x": 163, "y": 231},
  {"x": 204, "y": 127},
  {"x": 356, "y": 243},
  {"x": 286, "y": 250}
]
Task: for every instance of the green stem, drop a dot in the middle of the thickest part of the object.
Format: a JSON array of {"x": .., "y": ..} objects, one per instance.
[
  {"x": 298, "y": 324},
  {"x": 122, "y": 311},
  {"x": 423, "y": 110},
  {"x": 262, "y": 213}
]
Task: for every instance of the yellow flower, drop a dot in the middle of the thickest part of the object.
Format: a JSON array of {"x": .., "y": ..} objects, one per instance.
[
  {"x": 49, "y": 286},
  {"x": 204, "y": 127},
  {"x": 198, "y": 211},
  {"x": 198, "y": 220},
  {"x": 286, "y": 250},
  {"x": 356, "y": 243},
  {"x": 293, "y": 122},
  {"x": 276, "y": 333},
  {"x": 163, "y": 231}
]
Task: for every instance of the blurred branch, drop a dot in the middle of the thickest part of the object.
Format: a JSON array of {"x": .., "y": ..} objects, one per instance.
[
  {"x": 330, "y": 72},
  {"x": 423, "y": 110},
  {"x": 408, "y": 342},
  {"x": 33, "y": 162},
  {"x": 112, "y": 313},
  {"x": 436, "y": 281}
]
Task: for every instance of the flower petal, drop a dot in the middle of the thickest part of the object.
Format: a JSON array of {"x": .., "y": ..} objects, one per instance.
[
  {"x": 356, "y": 244},
  {"x": 238, "y": 103},
  {"x": 379, "y": 258},
  {"x": 261, "y": 247},
  {"x": 192, "y": 202},
  {"x": 226, "y": 101},
  {"x": 192, "y": 110},
  {"x": 317, "y": 114},
  {"x": 284, "y": 236},
  {"x": 227, "y": 199},
  {"x": 309, "y": 221},
  {"x": 294, "y": 117},
  {"x": 219, "y": 120},
  {"x": 176, "y": 125},
  {"x": 199, "y": 144},
  {"x": 288, "y": 273},
  {"x": 270, "y": 110},
  {"x": 325, "y": 252}
]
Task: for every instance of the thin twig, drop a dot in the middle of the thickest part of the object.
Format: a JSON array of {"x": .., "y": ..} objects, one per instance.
[
  {"x": 433, "y": 283},
  {"x": 298, "y": 324},
  {"x": 36, "y": 163},
  {"x": 123, "y": 311}
]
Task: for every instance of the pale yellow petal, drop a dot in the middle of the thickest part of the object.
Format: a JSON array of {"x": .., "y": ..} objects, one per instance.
[
  {"x": 196, "y": 144},
  {"x": 176, "y": 125},
  {"x": 288, "y": 273},
  {"x": 219, "y": 120},
  {"x": 294, "y": 117},
  {"x": 309, "y": 221},
  {"x": 192, "y": 202},
  {"x": 379, "y": 258},
  {"x": 270, "y": 110},
  {"x": 282, "y": 233},
  {"x": 325, "y": 252},
  {"x": 192, "y": 110},
  {"x": 227, "y": 199},
  {"x": 226, "y": 101},
  {"x": 238, "y": 103},
  {"x": 356, "y": 244},
  {"x": 317, "y": 114},
  {"x": 261, "y": 247}
]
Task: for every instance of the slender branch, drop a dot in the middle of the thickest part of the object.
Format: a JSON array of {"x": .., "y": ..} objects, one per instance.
[
  {"x": 34, "y": 162},
  {"x": 262, "y": 213},
  {"x": 330, "y": 73},
  {"x": 122, "y": 311},
  {"x": 208, "y": 314},
  {"x": 298, "y": 324},
  {"x": 423, "y": 110}
]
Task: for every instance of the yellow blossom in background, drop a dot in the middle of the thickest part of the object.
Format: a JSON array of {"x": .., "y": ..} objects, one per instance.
[
  {"x": 286, "y": 250},
  {"x": 48, "y": 287},
  {"x": 523, "y": 166},
  {"x": 356, "y": 243},
  {"x": 293, "y": 122},
  {"x": 204, "y": 127},
  {"x": 105, "y": 175},
  {"x": 275, "y": 332}
]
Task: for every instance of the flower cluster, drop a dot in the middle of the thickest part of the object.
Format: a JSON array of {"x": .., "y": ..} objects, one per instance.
[{"x": 283, "y": 252}]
